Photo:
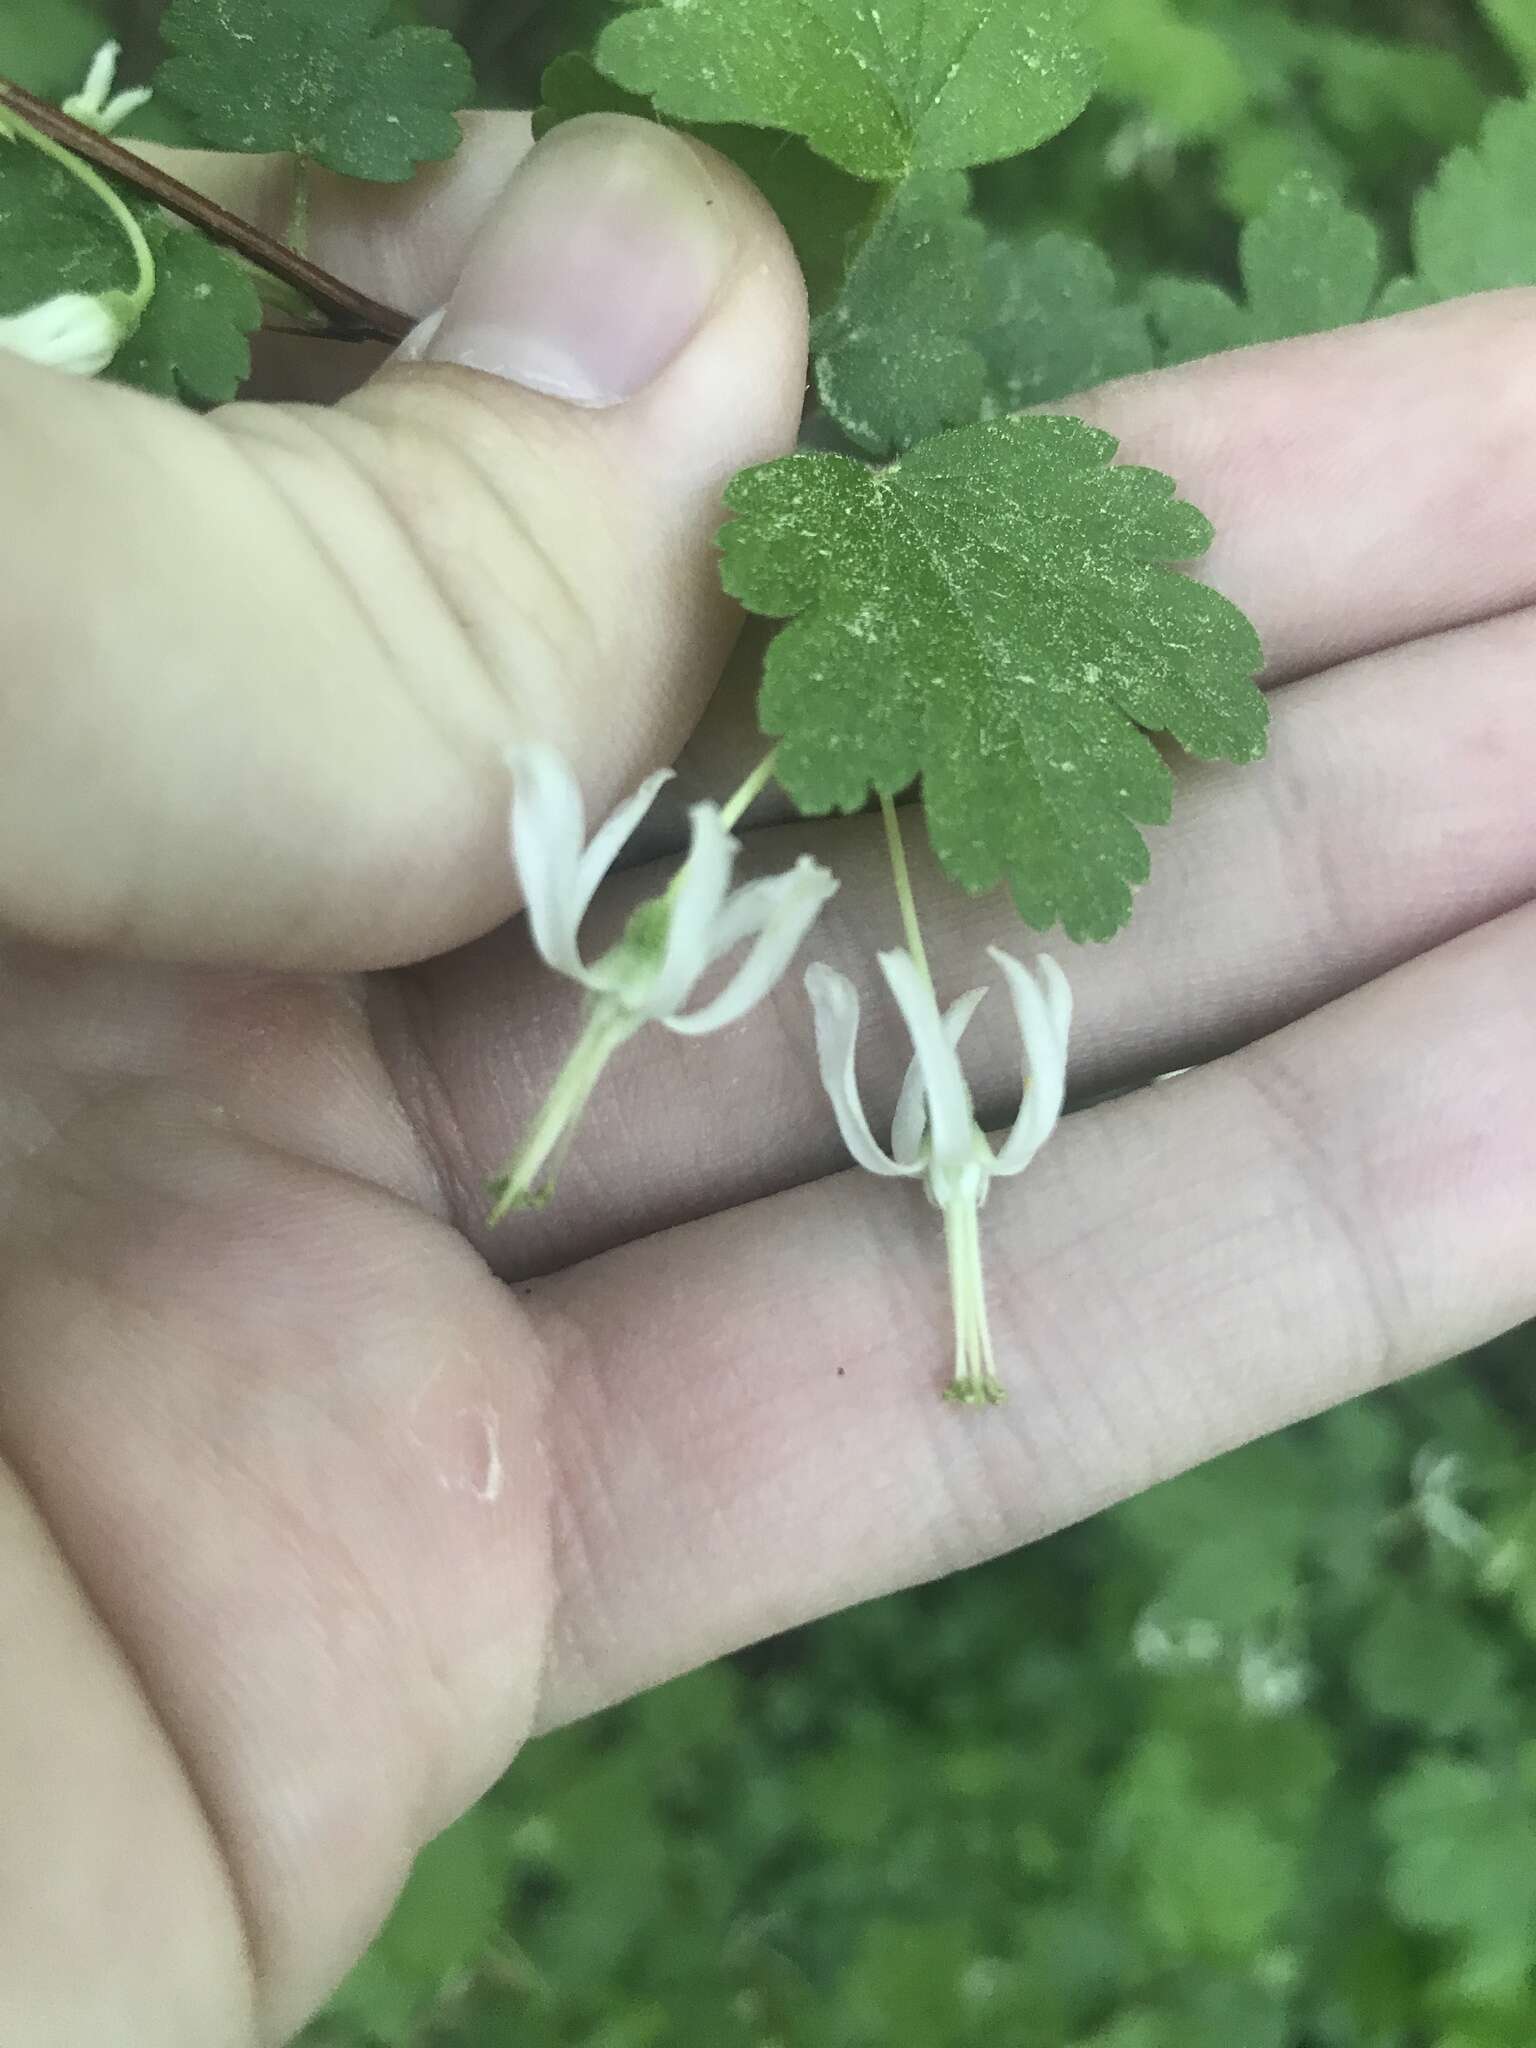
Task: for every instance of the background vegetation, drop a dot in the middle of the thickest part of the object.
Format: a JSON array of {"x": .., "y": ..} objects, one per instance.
[{"x": 1251, "y": 1762}]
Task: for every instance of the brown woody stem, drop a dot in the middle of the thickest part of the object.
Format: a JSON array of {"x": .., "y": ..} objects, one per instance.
[{"x": 353, "y": 315}]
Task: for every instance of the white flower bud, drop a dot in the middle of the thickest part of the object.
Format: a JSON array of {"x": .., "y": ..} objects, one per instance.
[{"x": 73, "y": 332}]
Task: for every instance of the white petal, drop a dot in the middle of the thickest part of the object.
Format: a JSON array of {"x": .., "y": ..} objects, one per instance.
[
  {"x": 698, "y": 897},
  {"x": 548, "y": 825},
  {"x": 1044, "y": 1011},
  {"x": 73, "y": 332},
  {"x": 124, "y": 107},
  {"x": 93, "y": 95},
  {"x": 835, "y": 1007},
  {"x": 911, "y": 1124},
  {"x": 748, "y": 909},
  {"x": 610, "y": 839},
  {"x": 785, "y": 908},
  {"x": 951, "y": 1119}
]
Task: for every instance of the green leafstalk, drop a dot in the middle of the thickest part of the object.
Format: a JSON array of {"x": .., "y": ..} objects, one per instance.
[
  {"x": 883, "y": 199},
  {"x": 298, "y": 209},
  {"x": 735, "y": 808},
  {"x": 901, "y": 877}
]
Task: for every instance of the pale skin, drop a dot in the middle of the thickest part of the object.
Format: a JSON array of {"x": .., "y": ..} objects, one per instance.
[{"x": 317, "y": 1498}]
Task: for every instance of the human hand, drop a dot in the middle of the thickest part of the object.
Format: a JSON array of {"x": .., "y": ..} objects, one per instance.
[{"x": 320, "y": 1497}]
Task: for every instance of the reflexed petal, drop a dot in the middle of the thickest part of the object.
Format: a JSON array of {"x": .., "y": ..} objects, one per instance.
[
  {"x": 101, "y": 77},
  {"x": 951, "y": 1119},
  {"x": 746, "y": 912},
  {"x": 784, "y": 909},
  {"x": 123, "y": 108},
  {"x": 700, "y": 892},
  {"x": 610, "y": 839},
  {"x": 1044, "y": 1010},
  {"x": 835, "y": 1006},
  {"x": 95, "y": 104},
  {"x": 911, "y": 1122},
  {"x": 548, "y": 826}
]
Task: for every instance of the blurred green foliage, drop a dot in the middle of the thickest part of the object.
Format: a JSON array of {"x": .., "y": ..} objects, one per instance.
[{"x": 1249, "y": 1762}]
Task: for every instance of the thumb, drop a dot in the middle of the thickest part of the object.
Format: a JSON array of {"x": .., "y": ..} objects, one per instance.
[{"x": 259, "y": 669}]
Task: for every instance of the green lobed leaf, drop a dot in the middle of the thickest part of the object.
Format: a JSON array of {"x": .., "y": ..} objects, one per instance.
[
  {"x": 572, "y": 86},
  {"x": 880, "y": 87},
  {"x": 194, "y": 340},
  {"x": 993, "y": 614},
  {"x": 1308, "y": 263},
  {"x": 1054, "y": 321},
  {"x": 330, "y": 80},
  {"x": 1213, "y": 1880},
  {"x": 895, "y": 357},
  {"x": 1473, "y": 228},
  {"x": 1385, "y": 91},
  {"x": 1514, "y": 22},
  {"x": 822, "y": 209},
  {"x": 1462, "y": 1856},
  {"x": 1423, "y": 1663},
  {"x": 54, "y": 235}
]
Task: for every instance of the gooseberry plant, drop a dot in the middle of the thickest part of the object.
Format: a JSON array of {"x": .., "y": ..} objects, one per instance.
[{"x": 985, "y": 615}]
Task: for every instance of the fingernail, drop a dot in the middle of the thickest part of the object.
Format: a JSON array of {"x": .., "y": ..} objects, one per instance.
[{"x": 601, "y": 262}]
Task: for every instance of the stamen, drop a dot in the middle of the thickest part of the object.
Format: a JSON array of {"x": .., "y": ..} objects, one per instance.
[{"x": 975, "y": 1383}]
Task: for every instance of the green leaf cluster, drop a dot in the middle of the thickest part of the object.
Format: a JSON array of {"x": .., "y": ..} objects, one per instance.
[
  {"x": 1262, "y": 90},
  {"x": 1472, "y": 228},
  {"x": 1308, "y": 263},
  {"x": 344, "y": 85},
  {"x": 1020, "y": 697}
]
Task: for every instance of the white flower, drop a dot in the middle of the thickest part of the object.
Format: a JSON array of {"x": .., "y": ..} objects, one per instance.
[
  {"x": 669, "y": 944},
  {"x": 73, "y": 332},
  {"x": 1437, "y": 1484},
  {"x": 95, "y": 104},
  {"x": 1270, "y": 1683},
  {"x": 1184, "y": 1645},
  {"x": 935, "y": 1133}
]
